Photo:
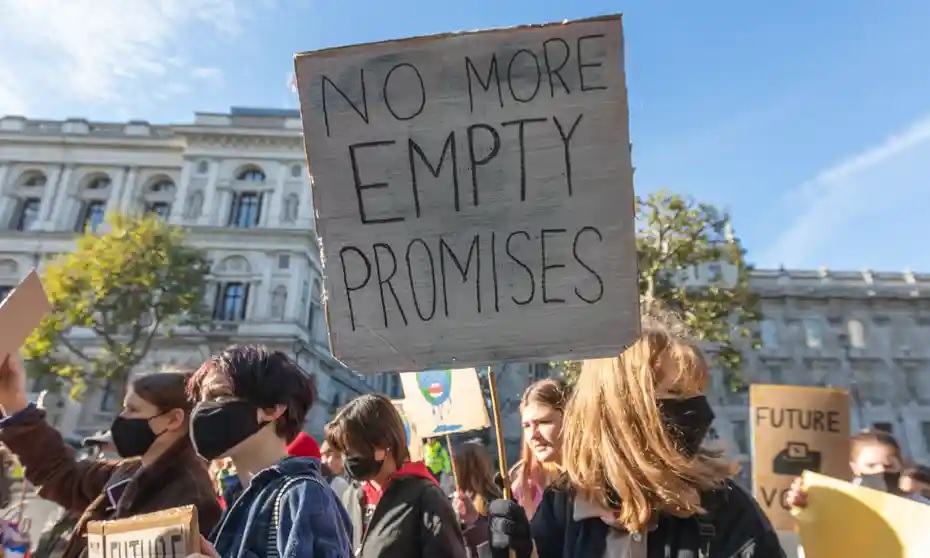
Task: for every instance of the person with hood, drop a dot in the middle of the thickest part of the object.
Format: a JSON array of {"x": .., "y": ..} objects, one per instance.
[
  {"x": 250, "y": 402},
  {"x": 159, "y": 469},
  {"x": 396, "y": 505}
]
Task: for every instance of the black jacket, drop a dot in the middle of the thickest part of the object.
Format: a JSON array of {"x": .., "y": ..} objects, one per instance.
[
  {"x": 735, "y": 527},
  {"x": 413, "y": 519}
]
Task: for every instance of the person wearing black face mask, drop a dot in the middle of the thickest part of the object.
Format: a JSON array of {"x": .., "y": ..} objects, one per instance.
[
  {"x": 396, "y": 505},
  {"x": 160, "y": 470},
  {"x": 637, "y": 481}
]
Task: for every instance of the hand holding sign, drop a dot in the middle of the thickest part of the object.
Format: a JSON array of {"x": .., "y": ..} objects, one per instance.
[{"x": 12, "y": 385}]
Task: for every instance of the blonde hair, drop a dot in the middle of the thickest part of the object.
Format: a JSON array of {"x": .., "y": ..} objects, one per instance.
[
  {"x": 553, "y": 393},
  {"x": 614, "y": 436},
  {"x": 476, "y": 474}
]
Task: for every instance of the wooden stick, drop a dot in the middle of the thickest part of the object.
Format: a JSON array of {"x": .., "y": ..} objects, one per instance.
[
  {"x": 455, "y": 469},
  {"x": 499, "y": 433}
]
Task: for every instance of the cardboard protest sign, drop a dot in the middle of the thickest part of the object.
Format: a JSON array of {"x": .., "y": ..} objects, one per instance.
[
  {"x": 843, "y": 520},
  {"x": 21, "y": 312},
  {"x": 414, "y": 441},
  {"x": 795, "y": 429},
  {"x": 474, "y": 195},
  {"x": 441, "y": 402},
  {"x": 170, "y": 533}
]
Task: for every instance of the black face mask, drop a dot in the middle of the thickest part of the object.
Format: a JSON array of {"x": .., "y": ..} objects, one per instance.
[
  {"x": 886, "y": 482},
  {"x": 687, "y": 421},
  {"x": 362, "y": 468},
  {"x": 133, "y": 437},
  {"x": 219, "y": 426}
]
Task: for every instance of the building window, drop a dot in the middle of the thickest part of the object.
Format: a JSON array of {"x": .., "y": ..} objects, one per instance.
[
  {"x": 99, "y": 184},
  {"x": 231, "y": 302},
  {"x": 245, "y": 210},
  {"x": 296, "y": 170},
  {"x": 769, "y": 331},
  {"x": 108, "y": 403},
  {"x": 856, "y": 332},
  {"x": 203, "y": 167},
  {"x": 252, "y": 175},
  {"x": 5, "y": 291},
  {"x": 740, "y": 436},
  {"x": 28, "y": 214},
  {"x": 35, "y": 180},
  {"x": 777, "y": 376},
  {"x": 813, "y": 334},
  {"x": 91, "y": 216},
  {"x": 284, "y": 261},
  {"x": 160, "y": 209}
]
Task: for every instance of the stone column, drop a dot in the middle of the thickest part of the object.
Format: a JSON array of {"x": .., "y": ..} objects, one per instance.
[
  {"x": 179, "y": 205},
  {"x": 277, "y": 200},
  {"x": 130, "y": 192},
  {"x": 52, "y": 186},
  {"x": 208, "y": 211},
  {"x": 305, "y": 209},
  {"x": 292, "y": 311},
  {"x": 263, "y": 312},
  {"x": 56, "y": 216},
  {"x": 117, "y": 187}
]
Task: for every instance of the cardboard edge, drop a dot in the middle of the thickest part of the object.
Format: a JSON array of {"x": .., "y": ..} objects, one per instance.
[{"x": 436, "y": 36}]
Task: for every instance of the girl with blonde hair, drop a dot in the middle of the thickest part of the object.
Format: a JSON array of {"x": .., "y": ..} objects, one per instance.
[
  {"x": 637, "y": 481},
  {"x": 541, "y": 412}
]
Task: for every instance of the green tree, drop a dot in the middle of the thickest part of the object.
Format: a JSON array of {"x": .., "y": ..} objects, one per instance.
[
  {"x": 675, "y": 237},
  {"x": 127, "y": 286}
]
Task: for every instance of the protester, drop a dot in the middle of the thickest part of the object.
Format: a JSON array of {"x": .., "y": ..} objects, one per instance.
[
  {"x": 251, "y": 401},
  {"x": 304, "y": 445},
  {"x": 637, "y": 481},
  {"x": 436, "y": 458},
  {"x": 396, "y": 506},
  {"x": 875, "y": 460},
  {"x": 541, "y": 409},
  {"x": 916, "y": 481},
  {"x": 159, "y": 471},
  {"x": 333, "y": 469},
  {"x": 476, "y": 490}
]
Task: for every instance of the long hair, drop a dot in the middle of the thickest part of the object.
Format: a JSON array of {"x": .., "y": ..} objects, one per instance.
[
  {"x": 552, "y": 393},
  {"x": 614, "y": 436},
  {"x": 476, "y": 474}
]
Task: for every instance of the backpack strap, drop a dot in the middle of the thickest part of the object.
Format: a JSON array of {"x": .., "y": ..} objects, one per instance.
[
  {"x": 707, "y": 533},
  {"x": 280, "y": 493}
]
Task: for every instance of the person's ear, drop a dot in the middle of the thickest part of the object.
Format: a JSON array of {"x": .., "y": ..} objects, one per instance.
[
  {"x": 177, "y": 420},
  {"x": 271, "y": 414}
]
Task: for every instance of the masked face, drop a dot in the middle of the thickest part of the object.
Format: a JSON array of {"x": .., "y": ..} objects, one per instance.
[
  {"x": 219, "y": 426},
  {"x": 687, "y": 421},
  {"x": 133, "y": 436},
  {"x": 361, "y": 468}
]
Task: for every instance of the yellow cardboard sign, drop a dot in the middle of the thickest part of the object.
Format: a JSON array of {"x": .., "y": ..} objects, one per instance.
[
  {"x": 843, "y": 520},
  {"x": 21, "y": 312}
]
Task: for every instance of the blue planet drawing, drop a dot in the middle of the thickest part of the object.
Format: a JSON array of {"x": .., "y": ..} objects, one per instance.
[{"x": 435, "y": 386}]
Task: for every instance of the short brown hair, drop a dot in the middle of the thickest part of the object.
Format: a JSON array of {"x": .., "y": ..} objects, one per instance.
[
  {"x": 165, "y": 390},
  {"x": 365, "y": 423},
  {"x": 868, "y": 438}
]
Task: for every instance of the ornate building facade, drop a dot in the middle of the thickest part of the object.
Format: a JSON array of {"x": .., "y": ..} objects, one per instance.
[{"x": 238, "y": 181}]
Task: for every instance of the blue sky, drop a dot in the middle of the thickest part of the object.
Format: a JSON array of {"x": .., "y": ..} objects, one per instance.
[{"x": 809, "y": 121}]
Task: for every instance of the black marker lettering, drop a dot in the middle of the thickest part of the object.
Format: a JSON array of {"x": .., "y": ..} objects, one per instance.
[
  {"x": 362, "y": 112},
  {"x": 475, "y": 163},
  {"x": 547, "y": 266},
  {"x": 493, "y": 76},
  {"x": 511, "y": 78},
  {"x": 345, "y": 277},
  {"x": 474, "y": 249},
  {"x": 356, "y": 175},
  {"x": 582, "y": 65},
  {"x": 600, "y": 282},
  {"x": 520, "y": 263},
  {"x": 387, "y": 98},
  {"x": 521, "y": 138},
  {"x": 432, "y": 277},
  {"x": 382, "y": 281},
  {"x": 565, "y": 149},
  {"x": 497, "y": 298},
  {"x": 448, "y": 147},
  {"x": 554, "y": 71}
]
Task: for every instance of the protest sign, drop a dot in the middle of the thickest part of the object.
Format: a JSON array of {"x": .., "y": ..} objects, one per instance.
[
  {"x": 844, "y": 520},
  {"x": 441, "y": 402},
  {"x": 414, "y": 441},
  {"x": 474, "y": 196},
  {"x": 172, "y": 533},
  {"x": 21, "y": 312},
  {"x": 795, "y": 429}
]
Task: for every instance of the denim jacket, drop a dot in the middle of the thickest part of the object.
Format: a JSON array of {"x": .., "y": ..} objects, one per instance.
[{"x": 311, "y": 522}]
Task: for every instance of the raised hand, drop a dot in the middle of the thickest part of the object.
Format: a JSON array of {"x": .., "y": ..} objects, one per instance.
[{"x": 12, "y": 385}]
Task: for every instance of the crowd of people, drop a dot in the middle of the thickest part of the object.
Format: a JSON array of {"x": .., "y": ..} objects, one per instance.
[{"x": 615, "y": 467}]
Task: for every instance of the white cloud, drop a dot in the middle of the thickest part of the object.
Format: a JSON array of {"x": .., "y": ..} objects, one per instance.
[
  {"x": 98, "y": 51},
  {"x": 873, "y": 184},
  {"x": 207, "y": 74}
]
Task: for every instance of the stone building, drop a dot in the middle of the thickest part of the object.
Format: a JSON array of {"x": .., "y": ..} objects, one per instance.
[{"x": 239, "y": 181}]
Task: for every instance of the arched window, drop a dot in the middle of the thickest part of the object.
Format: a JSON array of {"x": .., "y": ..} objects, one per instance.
[
  {"x": 34, "y": 179},
  {"x": 27, "y": 196},
  {"x": 93, "y": 197},
  {"x": 159, "y": 197},
  {"x": 203, "y": 167},
  {"x": 251, "y": 174},
  {"x": 856, "y": 332},
  {"x": 296, "y": 170}
]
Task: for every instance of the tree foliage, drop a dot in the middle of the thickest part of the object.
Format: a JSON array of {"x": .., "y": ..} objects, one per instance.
[
  {"x": 693, "y": 267},
  {"x": 120, "y": 290}
]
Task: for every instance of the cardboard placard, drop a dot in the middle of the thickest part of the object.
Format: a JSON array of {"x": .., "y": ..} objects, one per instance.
[
  {"x": 21, "y": 312},
  {"x": 795, "y": 429},
  {"x": 474, "y": 196},
  {"x": 441, "y": 402},
  {"x": 414, "y": 441},
  {"x": 170, "y": 533},
  {"x": 844, "y": 520}
]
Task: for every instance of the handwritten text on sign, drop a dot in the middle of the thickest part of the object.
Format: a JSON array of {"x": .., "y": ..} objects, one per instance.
[{"x": 474, "y": 195}]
